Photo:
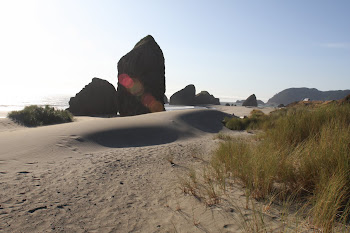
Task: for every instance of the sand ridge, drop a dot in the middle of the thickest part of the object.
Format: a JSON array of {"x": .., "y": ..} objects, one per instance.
[{"x": 8, "y": 125}]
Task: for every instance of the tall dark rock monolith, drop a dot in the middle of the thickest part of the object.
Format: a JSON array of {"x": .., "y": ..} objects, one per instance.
[
  {"x": 97, "y": 98},
  {"x": 141, "y": 79},
  {"x": 251, "y": 101}
]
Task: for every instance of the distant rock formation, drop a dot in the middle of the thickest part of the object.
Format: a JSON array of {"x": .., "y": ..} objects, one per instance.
[
  {"x": 141, "y": 79},
  {"x": 185, "y": 96},
  {"x": 166, "y": 99},
  {"x": 97, "y": 98},
  {"x": 251, "y": 101},
  {"x": 205, "y": 98},
  {"x": 291, "y": 95},
  {"x": 260, "y": 102}
]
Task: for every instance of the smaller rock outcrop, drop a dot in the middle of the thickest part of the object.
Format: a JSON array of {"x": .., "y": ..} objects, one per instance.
[
  {"x": 205, "y": 98},
  {"x": 251, "y": 101},
  {"x": 97, "y": 98},
  {"x": 185, "y": 96},
  {"x": 260, "y": 102},
  {"x": 166, "y": 101}
]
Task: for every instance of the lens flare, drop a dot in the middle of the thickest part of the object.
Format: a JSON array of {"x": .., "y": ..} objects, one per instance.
[
  {"x": 135, "y": 87},
  {"x": 147, "y": 100},
  {"x": 156, "y": 107},
  {"x": 126, "y": 81}
]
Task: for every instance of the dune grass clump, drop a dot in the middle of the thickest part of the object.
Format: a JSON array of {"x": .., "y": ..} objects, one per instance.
[
  {"x": 254, "y": 121},
  {"x": 223, "y": 137},
  {"x": 304, "y": 152},
  {"x": 34, "y": 115}
]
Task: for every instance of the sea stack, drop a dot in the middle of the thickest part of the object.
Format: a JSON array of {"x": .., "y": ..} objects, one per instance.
[
  {"x": 97, "y": 98},
  {"x": 141, "y": 79},
  {"x": 185, "y": 96},
  {"x": 251, "y": 101},
  {"x": 204, "y": 97}
]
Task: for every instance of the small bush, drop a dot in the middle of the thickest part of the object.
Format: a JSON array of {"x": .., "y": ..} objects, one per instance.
[
  {"x": 235, "y": 124},
  {"x": 255, "y": 113},
  {"x": 255, "y": 121},
  {"x": 34, "y": 115}
]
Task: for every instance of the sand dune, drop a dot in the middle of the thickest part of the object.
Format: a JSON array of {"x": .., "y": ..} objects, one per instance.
[
  {"x": 111, "y": 175},
  {"x": 8, "y": 125},
  {"x": 93, "y": 134}
]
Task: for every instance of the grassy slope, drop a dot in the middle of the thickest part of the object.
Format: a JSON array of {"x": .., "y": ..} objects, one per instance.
[{"x": 302, "y": 155}]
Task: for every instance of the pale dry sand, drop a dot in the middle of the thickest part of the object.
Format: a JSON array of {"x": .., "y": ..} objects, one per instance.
[
  {"x": 114, "y": 175},
  {"x": 8, "y": 125}
]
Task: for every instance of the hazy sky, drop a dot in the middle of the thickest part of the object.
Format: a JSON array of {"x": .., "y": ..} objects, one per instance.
[{"x": 230, "y": 48}]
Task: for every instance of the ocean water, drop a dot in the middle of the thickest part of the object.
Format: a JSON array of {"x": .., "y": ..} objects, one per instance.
[
  {"x": 18, "y": 103},
  {"x": 56, "y": 101}
]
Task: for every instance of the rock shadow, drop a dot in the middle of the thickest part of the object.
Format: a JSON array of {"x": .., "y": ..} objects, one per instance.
[
  {"x": 209, "y": 121},
  {"x": 135, "y": 136}
]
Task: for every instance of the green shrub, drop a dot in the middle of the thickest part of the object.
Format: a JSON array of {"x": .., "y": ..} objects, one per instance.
[
  {"x": 235, "y": 124},
  {"x": 34, "y": 115},
  {"x": 255, "y": 113},
  {"x": 255, "y": 121}
]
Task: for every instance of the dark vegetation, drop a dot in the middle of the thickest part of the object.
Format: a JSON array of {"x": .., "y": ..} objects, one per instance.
[{"x": 34, "y": 115}]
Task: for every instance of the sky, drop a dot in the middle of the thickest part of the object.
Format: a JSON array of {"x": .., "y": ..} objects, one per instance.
[{"x": 231, "y": 49}]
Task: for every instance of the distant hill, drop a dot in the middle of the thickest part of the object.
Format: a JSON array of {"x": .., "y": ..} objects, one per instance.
[{"x": 291, "y": 95}]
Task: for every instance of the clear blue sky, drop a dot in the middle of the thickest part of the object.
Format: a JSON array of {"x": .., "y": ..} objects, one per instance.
[{"x": 230, "y": 48}]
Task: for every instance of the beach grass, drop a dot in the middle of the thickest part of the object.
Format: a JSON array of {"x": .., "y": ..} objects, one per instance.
[
  {"x": 34, "y": 115},
  {"x": 302, "y": 149},
  {"x": 301, "y": 152}
]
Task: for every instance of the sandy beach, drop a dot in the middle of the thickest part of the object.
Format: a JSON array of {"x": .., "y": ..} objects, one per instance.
[{"x": 114, "y": 174}]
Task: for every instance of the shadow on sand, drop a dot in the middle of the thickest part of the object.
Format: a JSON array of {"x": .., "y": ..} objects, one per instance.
[
  {"x": 135, "y": 137},
  {"x": 193, "y": 124},
  {"x": 209, "y": 121}
]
